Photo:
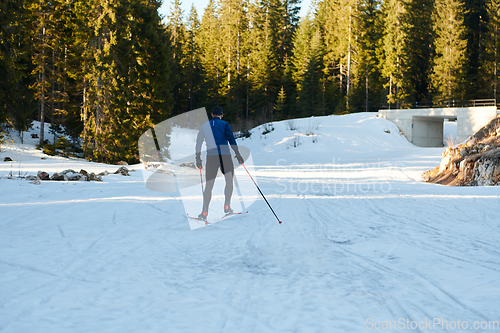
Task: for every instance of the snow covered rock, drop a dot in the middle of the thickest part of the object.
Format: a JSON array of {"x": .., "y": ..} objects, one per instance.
[
  {"x": 476, "y": 162},
  {"x": 188, "y": 165},
  {"x": 122, "y": 171},
  {"x": 8, "y": 159},
  {"x": 42, "y": 175},
  {"x": 57, "y": 177}
]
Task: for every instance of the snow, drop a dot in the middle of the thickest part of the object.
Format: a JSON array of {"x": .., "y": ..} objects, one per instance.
[{"x": 364, "y": 241}]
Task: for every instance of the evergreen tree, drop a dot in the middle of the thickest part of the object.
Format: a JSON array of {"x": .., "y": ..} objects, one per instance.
[
  {"x": 492, "y": 46},
  {"x": 394, "y": 51},
  {"x": 126, "y": 76},
  {"x": 194, "y": 54},
  {"x": 450, "y": 44},
  {"x": 209, "y": 43},
  {"x": 262, "y": 64},
  {"x": 42, "y": 33},
  {"x": 307, "y": 63},
  {"x": 340, "y": 24},
  {"x": 180, "y": 58},
  {"x": 284, "y": 21},
  {"x": 475, "y": 19},
  {"x": 420, "y": 50},
  {"x": 233, "y": 22},
  {"x": 15, "y": 97},
  {"x": 368, "y": 89}
]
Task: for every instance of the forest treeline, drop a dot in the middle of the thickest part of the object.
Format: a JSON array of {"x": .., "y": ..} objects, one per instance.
[{"x": 107, "y": 70}]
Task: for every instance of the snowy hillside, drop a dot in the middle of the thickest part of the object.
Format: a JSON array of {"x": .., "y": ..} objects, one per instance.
[{"x": 364, "y": 243}]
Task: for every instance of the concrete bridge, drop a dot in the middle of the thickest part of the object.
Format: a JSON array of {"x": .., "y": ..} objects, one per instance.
[{"x": 424, "y": 127}]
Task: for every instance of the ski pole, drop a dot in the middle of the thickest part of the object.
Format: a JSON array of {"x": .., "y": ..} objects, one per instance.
[
  {"x": 201, "y": 178},
  {"x": 262, "y": 194}
]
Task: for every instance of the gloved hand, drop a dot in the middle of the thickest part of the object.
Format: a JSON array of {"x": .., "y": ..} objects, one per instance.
[
  {"x": 239, "y": 157},
  {"x": 198, "y": 161}
]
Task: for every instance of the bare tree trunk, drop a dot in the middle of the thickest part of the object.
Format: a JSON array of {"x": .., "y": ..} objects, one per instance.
[
  {"x": 42, "y": 92},
  {"x": 366, "y": 92},
  {"x": 348, "y": 62}
]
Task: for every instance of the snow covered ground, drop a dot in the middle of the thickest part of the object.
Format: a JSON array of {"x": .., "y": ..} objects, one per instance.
[{"x": 364, "y": 244}]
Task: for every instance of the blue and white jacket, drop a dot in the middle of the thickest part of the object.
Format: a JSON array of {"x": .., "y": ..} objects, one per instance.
[{"x": 217, "y": 135}]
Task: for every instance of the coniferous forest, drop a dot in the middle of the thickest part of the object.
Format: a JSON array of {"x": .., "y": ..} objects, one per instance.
[{"x": 107, "y": 70}]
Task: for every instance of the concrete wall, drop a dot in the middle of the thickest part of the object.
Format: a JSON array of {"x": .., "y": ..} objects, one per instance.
[
  {"x": 427, "y": 132},
  {"x": 420, "y": 126}
]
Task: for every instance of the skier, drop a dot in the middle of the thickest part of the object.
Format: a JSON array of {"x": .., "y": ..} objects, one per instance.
[{"x": 217, "y": 134}]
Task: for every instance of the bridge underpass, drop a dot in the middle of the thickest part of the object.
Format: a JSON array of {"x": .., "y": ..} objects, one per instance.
[{"x": 424, "y": 127}]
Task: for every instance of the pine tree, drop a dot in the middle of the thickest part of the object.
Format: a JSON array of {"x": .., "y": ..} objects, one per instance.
[
  {"x": 307, "y": 62},
  {"x": 262, "y": 64},
  {"x": 180, "y": 58},
  {"x": 140, "y": 93},
  {"x": 233, "y": 31},
  {"x": 419, "y": 50},
  {"x": 16, "y": 104},
  {"x": 339, "y": 22},
  {"x": 368, "y": 89},
  {"x": 42, "y": 32},
  {"x": 209, "y": 42},
  {"x": 394, "y": 56},
  {"x": 475, "y": 20},
  {"x": 450, "y": 44},
  {"x": 492, "y": 45},
  {"x": 194, "y": 54}
]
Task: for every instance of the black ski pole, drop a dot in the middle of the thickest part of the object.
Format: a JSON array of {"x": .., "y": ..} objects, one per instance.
[{"x": 262, "y": 194}]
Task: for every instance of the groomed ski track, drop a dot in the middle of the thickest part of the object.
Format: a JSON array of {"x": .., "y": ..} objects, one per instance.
[{"x": 361, "y": 239}]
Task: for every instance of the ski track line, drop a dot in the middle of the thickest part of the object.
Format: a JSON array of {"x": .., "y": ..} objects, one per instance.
[
  {"x": 428, "y": 245},
  {"x": 434, "y": 287},
  {"x": 29, "y": 290},
  {"x": 30, "y": 268},
  {"x": 63, "y": 235}
]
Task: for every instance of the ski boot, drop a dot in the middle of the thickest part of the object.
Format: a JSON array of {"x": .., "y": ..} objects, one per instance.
[
  {"x": 203, "y": 216},
  {"x": 228, "y": 209}
]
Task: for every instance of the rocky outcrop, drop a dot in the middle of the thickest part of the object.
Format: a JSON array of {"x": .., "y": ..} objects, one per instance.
[
  {"x": 72, "y": 175},
  {"x": 476, "y": 162}
]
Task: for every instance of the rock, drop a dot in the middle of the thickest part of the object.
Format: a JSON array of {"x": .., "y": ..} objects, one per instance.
[
  {"x": 473, "y": 163},
  {"x": 94, "y": 177},
  {"x": 65, "y": 172},
  {"x": 122, "y": 163},
  {"x": 73, "y": 177},
  {"x": 42, "y": 175},
  {"x": 8, "y": 159},
  {"x": 188, "y": 165},
  {"x": 104, "y": 173},
  {"x": 85, "y": 174},
  {"x": 57, "y": 177},
  {"x": 122, "y": 171},
  {"x": 36, "y": 181}
]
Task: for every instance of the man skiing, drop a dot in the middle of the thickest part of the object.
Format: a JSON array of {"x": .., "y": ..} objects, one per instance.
[{"x": 217, "y": 134}]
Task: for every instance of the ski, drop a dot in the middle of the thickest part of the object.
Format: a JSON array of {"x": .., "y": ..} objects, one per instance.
[
  {"x": 196, "y": 218},
  {"x": 217, "y": 219},
  {"x": 229, "y": 215}
]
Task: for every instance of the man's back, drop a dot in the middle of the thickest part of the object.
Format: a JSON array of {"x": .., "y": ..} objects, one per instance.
[{"x": 217, "y": 134}]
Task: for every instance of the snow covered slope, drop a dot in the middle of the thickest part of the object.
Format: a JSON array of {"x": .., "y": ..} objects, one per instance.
[{"x": 364, "y": 242}]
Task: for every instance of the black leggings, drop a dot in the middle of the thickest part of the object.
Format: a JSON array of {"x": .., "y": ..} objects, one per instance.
[{"x": 214, "y": 162}]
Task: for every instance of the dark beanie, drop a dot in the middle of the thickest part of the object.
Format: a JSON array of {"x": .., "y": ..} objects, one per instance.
[{"x": 217, "y": 111}]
